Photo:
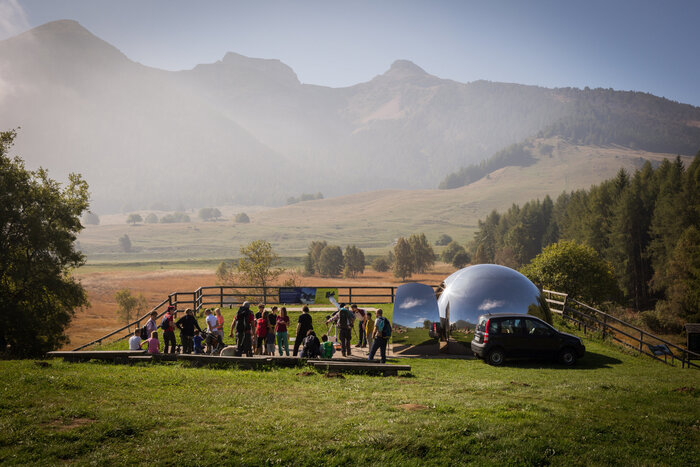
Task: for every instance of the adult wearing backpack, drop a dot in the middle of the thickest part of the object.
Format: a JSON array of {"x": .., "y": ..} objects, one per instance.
[
  {"x": 344, "y": 318},
  {"x": 243, "y": 324},
  {"x": 311, "y": 347},
  {"x": 304, "y": 324},
  {"x": 168, "y": 327},
  {"x": 186, "y": 325},
  {"x": 381, "y": 335}
]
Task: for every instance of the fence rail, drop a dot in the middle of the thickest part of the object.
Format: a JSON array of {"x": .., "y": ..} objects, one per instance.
[
  {"x": 219, "y": 295},
  {"x": 591, "y": 319},
  {"x": 584, "y": 316}
]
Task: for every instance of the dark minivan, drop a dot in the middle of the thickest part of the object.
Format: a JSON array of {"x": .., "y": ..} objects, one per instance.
[{"x": 501, "y": 336}]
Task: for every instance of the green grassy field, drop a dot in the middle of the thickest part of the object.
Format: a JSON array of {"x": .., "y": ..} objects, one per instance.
[{"x": 612, "y": 408}]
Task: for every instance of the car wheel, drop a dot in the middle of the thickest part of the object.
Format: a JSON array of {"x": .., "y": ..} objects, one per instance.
[
  {"x": 567, "y": 356},
  {"x": 495, "y": 357}
]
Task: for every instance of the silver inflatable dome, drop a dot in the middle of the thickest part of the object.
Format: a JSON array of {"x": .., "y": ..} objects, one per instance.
[{"x": 488, "y": 288}]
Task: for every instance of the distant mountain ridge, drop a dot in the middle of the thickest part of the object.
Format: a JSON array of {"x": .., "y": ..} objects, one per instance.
[{"x": 246, "y": 130}]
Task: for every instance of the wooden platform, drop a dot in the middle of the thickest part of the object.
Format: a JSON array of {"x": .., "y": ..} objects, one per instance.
[
  {"x": 241, "y": 362},
  {"x": 116, "y": 356},
  {"x": 344, "y": 364},
  {"x": 357, "y": 367}
]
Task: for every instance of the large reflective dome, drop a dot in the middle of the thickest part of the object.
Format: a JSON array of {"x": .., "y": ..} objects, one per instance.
[{"x": 488, "y": 288}]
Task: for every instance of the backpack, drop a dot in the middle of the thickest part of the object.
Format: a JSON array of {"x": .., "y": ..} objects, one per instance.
[
  {"x": 345, "y": 320},
  {"x": 243, "y": 320},
  {"x": 144, "y": 333},
  {"x": 386, "y": 330},
  {"x": 165, "y": 324}
]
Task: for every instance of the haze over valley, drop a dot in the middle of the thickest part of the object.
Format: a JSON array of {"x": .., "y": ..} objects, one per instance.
[{"x": 244, "y": 131}]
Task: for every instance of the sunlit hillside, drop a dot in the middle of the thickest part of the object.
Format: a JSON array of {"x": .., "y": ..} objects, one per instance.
[{"x": 371, "y": 220}]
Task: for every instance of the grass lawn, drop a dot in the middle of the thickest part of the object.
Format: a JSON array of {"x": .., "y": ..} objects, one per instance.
[{"x": 612, "y": 408}]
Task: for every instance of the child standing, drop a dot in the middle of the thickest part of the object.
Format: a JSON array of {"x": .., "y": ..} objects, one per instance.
[
  {"x": 281, "y": 331},
  {"x": 261, "y": 332},
  {"x": 369, "y": 324},
  {"x": 197, "y": 343}
]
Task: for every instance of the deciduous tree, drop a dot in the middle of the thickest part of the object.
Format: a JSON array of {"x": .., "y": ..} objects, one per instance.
[
  {"x": 39, "y": 222},
  {"x": 331, "y": 261},
  {"x": 129, "y": 306},
  {"x": 354, "y": 260},
  {"x": 403, "y": 259},
  {"x": 258, "y": 265},
  {"x": 576, "y": 270},
  {"x": 134, "y": 219}
]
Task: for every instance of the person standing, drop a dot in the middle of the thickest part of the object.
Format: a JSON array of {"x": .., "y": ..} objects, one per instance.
[
  {"x": 369, "y": 329},
  {"x": 168, "y": 326},
  {"x": 344, "y": 319},
  {"x": 186, "y": 325},
  {"x": 360, "y": 317},
  {"x": 382, "y": 332},
  {"x": 243, "y": 324},
  {"x": 281, "y": 331},
  {"x": 151, "y": 325},
  {"x": 261, "y": 325},
  {"x": 304, "y": 325},
  {"x": 219, "y": 323},
  {"x": 271, "y": 323},
  {"x": 212, "y": 337}
]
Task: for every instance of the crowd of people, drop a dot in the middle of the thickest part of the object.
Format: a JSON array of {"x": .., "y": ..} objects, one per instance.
[{"x": 263, "y": 332}]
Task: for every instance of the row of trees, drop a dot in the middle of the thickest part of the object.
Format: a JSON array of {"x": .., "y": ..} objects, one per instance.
[
  {"x": 206, "y": 214},
  {"x": 646, "y": 224},
  {"x": 304, "y": 197},
  {"x": 330, "y": 260}
]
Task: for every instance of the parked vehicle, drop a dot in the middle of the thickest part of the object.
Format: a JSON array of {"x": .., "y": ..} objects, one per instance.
[{"x": 498, "y": 337}]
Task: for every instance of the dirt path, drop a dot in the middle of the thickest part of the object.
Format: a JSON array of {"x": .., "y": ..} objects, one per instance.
[{"x": 101, "y": 318}]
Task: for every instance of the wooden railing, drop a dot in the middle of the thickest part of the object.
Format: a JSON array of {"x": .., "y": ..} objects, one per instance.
[
  {"x": 221, "y": 296},
  {"x": 589, "y": 319}
]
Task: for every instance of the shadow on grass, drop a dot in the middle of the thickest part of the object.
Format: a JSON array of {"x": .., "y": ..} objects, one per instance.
[{"x": 590, "y": 361}]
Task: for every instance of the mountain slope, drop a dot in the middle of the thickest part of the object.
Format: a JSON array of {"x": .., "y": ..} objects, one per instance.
[
  {"x": 245, "y": 130},
  {"x": 134, "y": 135}
]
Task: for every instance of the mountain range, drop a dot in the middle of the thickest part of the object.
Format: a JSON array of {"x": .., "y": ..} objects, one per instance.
[{"x": 247, "y": 131}]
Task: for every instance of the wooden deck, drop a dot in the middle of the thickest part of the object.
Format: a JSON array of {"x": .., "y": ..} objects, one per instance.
[{"x": 348, "y": 364}]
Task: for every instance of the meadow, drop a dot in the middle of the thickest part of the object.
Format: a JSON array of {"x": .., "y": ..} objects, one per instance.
[
  {"x": 611, "y": 409},
  {"x": 370, "y": 220}
]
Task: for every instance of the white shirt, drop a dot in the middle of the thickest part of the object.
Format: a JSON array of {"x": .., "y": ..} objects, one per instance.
[
  {"x": 135, "y": 343},
  {"x": 212, "y": 324}
]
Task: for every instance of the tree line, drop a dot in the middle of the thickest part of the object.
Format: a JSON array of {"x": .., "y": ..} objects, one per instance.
[{"x": 646, "y": 225}]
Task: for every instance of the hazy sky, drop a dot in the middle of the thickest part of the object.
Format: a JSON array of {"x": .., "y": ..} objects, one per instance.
[{"x": 644, "y": 45}]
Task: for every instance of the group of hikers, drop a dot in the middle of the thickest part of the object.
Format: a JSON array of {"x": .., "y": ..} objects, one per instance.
[{"x": 258, "y": 333}]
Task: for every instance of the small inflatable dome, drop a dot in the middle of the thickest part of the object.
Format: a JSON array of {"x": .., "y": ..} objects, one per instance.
[{"x": 488, "y": 288}]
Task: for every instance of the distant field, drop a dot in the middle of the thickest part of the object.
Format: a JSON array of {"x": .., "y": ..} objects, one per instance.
[
  {"x": 611, "y": 409},
  {"x": 371, "y": 220}
]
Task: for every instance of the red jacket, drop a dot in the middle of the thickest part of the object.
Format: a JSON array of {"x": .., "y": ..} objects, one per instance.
[{"x": 261, "y": 327}]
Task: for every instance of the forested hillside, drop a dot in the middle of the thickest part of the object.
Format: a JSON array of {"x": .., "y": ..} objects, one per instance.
[
  {"x": 645, "y": 224},
  {"x": 601, "y": 117}
]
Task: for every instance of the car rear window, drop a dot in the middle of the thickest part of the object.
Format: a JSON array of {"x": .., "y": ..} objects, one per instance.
[{"x": 481, "y": 325}]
